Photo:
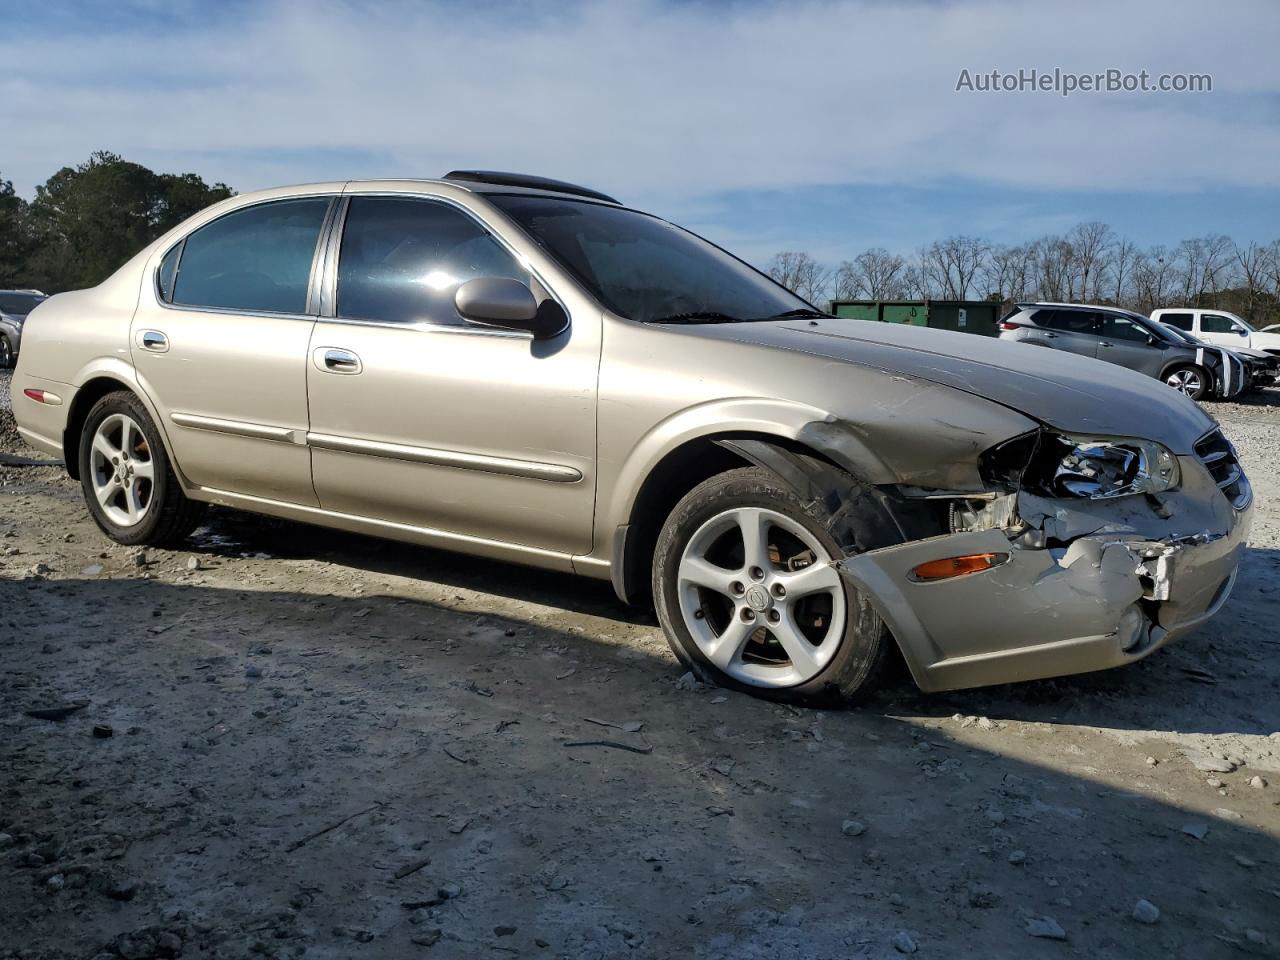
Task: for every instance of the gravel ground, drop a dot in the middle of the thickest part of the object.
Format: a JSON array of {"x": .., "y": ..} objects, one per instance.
[{"x": 298, "y": 743}]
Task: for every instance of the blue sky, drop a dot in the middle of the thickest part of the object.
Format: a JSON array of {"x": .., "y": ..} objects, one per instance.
[{"x": 821, "y": 126}]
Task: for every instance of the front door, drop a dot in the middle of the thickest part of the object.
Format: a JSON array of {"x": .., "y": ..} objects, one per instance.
[
  {"x": 1223, "y": 331},
  {"x": 1124, "y": 342},
  {"x": 419, "y": 418},
  {"x": 219, "y": 342}
]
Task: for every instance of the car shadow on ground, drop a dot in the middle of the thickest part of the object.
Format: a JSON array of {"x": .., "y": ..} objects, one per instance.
[
  {"x": 292, "y": 771},
  {"x": 1186, "y": 687},
  {"x": 232, "y": 533}
]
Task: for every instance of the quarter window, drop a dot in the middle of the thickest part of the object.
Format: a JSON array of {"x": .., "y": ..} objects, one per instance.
[
  {"x": 258, "y": 258},
  {"x": 168, "y": 272},
  {"x": 1180, "y": 320},
  {"x": 402, "y": 260}
]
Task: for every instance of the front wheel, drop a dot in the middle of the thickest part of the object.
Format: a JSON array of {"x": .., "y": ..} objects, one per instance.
[
  {"x": 749, "y": 596},
  {"x": 1188, "y": 380},
  {"x": 7, "y": 356},
  {"x": 128, "y": 482}
]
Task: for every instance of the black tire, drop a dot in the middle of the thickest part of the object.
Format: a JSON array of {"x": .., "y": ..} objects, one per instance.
[
  {"x": 1206, "y": 379},
  {"x": 171, "y": 516},
  {"x": 7, "y": 357},
  {"x": 866, "y": 646}
]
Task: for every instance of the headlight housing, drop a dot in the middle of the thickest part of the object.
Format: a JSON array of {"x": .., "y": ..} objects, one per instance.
[
  {"x": 1100, "y": 468},
  {"x": 1092, "y": 468}
]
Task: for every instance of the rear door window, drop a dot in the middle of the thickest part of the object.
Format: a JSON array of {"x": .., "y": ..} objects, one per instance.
[
  {"x": 1180, "y": 320},
  {"x": 1068, "y": 321},
  {"x": 255, "y": 259}
]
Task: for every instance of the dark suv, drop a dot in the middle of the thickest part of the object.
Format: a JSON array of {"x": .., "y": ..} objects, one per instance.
[{"x": 1130, "y": 340}]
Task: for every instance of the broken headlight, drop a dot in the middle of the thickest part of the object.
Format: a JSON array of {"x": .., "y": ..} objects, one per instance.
[
  {"x": 1100, "y": 468},
  {"x": 1095, "y": 468}
]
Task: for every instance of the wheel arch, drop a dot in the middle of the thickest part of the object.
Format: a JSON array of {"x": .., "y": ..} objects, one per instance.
[
  {"x": 806, "y": 467},
  {"x": 95, "y": 382}
]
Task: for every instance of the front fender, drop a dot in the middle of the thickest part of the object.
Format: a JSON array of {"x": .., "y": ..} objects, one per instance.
[{"x": 753, "y": 415}]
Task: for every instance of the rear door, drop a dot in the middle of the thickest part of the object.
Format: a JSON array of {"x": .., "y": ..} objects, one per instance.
[
  {"x": 478, "y": 434},
  {"x": 1074, "y": 331},
  {"x": 220, "y": 345}
]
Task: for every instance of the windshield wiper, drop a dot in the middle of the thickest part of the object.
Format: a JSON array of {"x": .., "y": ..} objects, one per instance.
[
  {"x": 698, "y": 316},
  {"x": 802, "y": 312}
]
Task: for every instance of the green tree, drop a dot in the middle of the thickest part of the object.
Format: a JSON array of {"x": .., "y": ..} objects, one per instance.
[
  {"x": 14, "y": 235},
  {"x": 88, "y": 220}
]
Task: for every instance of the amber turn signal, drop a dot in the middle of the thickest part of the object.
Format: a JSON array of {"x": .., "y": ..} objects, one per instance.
[{"x": 957, "y": 566}]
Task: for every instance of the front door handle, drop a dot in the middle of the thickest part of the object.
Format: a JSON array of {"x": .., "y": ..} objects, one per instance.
[
  {"x": 153, "y": 340},
  {"x": 1104, "y": 343},
  {"x": 1051, "y": 336},
  {"x": 337, "y": 360}
]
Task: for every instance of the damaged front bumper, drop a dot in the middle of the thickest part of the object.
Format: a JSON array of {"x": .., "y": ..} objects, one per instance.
[{"x": 1088, "y": 585}]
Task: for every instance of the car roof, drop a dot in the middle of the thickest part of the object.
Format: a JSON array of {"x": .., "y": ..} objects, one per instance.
[{"x": 1071, "y": 306}]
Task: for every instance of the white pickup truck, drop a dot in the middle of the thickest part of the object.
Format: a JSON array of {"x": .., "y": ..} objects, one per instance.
[{"x": 1220, "y": 328}]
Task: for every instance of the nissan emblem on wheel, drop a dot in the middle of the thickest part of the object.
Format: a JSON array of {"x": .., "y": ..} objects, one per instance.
[{"x": 530, "y": 370}]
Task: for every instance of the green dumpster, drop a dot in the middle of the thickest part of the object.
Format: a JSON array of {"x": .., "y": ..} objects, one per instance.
[{"x": 966, "y": 316}]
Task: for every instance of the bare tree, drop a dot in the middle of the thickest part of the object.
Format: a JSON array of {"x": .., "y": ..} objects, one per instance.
[
  {"x": 1153, "y": 273},
  {"x": 874, "y": 274},
  {"x": 801, "y": 274},
  {"x": 1008, "y": 271},
  {"x": 1253, "y": 263},
  {"x": 1123, "y": 255},
  {"x": 915, "y": 284},
  {"x": 1090, "y": 243},
  {"x": 952, "y": 265}
]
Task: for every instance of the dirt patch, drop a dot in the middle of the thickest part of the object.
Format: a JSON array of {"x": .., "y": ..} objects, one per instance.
[{"x": 288, "y": 742}]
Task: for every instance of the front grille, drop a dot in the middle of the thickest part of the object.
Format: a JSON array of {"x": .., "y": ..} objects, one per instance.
[{"x": 1219, "y": 457}]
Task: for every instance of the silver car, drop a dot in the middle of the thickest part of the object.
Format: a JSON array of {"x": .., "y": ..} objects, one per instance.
[
  {"x": 529, "y": 370},
  {"x": 14, "y": 307}
]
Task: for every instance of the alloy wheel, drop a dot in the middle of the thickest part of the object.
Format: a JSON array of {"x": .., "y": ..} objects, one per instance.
[
  {"x": 1185, "y": 381},
  {"x": 761, "y": 597},
  {"x": 123, "y": 473}
]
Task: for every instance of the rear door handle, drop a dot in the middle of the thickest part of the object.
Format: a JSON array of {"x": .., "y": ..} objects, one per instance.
[
  {"x": 1051, "y": 336},
  {"x": 153, "y": 340},
  {"x": 337, "y": 360}
]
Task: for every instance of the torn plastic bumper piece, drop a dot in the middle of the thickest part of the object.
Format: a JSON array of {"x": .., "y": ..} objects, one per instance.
[{"x": 1102, "y": 601}]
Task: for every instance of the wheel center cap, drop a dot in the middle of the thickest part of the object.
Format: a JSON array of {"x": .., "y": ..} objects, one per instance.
[{"x": 758, "y": 598}]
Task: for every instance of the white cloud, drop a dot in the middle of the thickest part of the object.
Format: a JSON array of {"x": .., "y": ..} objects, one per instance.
[{"x": 653, "y": 101}]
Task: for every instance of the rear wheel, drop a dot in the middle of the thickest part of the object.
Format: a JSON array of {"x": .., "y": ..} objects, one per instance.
[
  {"x": 1192, "y": 381},
  {"x": 7, "y": 356},
  {"x": 127, "y": 479},
  {"x": 748, "y": 593}
]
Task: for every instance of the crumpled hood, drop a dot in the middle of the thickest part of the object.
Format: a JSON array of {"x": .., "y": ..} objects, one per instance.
[{"x": 1074, "y": 394}]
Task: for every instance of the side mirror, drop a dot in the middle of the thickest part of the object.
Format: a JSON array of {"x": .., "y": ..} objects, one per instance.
[{"x": 507, "y": 303}]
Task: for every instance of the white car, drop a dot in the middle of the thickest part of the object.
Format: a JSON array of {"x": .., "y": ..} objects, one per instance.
[{"x": 1220, "y": 328}]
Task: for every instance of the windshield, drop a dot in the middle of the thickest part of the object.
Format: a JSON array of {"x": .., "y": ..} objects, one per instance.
[
  {"x": 1183, "y": 335},
  {"x": 18, "y": 303},
  {"x": 646, "y": 269}
]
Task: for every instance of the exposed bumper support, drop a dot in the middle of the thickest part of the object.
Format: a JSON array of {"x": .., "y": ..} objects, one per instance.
[{"x": 1105, "y": 599}]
